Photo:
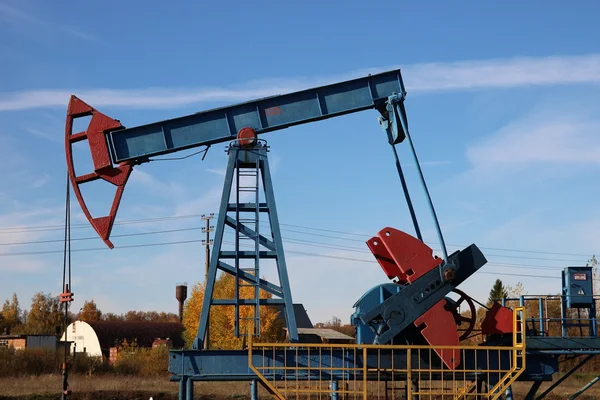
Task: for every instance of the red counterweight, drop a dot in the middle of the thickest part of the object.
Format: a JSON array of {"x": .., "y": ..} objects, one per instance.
[
  {"x": 99, "y": 125},
  {"x": 498, "y": 320}
]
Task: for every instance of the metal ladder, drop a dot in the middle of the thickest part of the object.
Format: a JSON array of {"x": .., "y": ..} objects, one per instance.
[{"x": 247, "y": 172}]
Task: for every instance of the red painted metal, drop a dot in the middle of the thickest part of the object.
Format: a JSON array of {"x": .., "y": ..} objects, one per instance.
[
  {"x": 412, "y": 258},
  {"x": 439, "y": 329},
  {"x": 247, "y": 137},
  {"x": 498, "y": 320},
  {"x": 95, "y": 133},
  {"x": 66, "y": 296},
  {"x": 383, "y": 257}
]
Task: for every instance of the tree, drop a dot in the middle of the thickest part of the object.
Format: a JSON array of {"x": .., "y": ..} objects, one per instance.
[
  {"x": 222, "y": 317},
  {"x": 112, "y": 317},
  {"x": 90, "y": 311},
  {"x": 517, "y": 291},
  {"x": 11, "y": 313},
  {"x": 593, "y": 262},
  {"x": 44, "y": 317},
  {"x": 498, "y": 292}
]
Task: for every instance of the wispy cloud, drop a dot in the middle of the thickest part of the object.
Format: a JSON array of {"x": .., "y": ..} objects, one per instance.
[
  {"x": 540, "y": 138},
  {"x": 25, "y": 20},
  {"x": 419, "y": 78}
]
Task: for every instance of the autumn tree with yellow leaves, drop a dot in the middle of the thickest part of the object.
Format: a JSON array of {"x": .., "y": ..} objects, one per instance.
[{"x": 221, "y": 319}]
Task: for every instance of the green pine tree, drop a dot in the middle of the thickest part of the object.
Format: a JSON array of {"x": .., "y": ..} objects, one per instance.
[{"x": 498, "y": 292}]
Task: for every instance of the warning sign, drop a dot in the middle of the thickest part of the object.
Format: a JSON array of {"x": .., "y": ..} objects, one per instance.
[
  {"x": 580, "y": 277},
  {"x": 580, "y": 292}
]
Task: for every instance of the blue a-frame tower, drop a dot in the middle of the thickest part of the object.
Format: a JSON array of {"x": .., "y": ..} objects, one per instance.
[{"x": 247, "y": 167}]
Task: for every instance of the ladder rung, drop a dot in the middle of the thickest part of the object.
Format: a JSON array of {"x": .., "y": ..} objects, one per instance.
[{"x": 248, "y": 207}]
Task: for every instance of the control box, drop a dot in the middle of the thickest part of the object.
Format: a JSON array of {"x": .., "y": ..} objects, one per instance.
[{"x": 578, "y": 287}]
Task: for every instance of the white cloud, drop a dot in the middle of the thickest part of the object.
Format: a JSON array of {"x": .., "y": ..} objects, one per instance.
[
  {"x": 540, "y": 138},
  {"x": 220, "y": 171},
  {"x": 26, "y": 21},
  {"x": 462, "y": 75}
]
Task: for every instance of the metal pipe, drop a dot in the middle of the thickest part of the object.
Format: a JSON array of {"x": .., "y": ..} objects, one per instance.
[
  {"x": 190, "y": 390},
  {"x": 406, "y": 193},
  {"x": 253, "y": 390},
  {"x": 541, "y": 304},
  {"x": 429, "y": 201},
  {"x": 586, "y": 387},
  {"x": 334, "y": 390}
]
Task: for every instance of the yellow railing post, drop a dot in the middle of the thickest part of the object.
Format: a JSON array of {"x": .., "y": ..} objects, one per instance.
[
  {"x": 365, "y": 369},
  {"x": 408, "y": 374}
]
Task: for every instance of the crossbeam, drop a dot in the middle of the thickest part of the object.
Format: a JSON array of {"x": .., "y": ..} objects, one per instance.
[{"x": 263, "y": 115}]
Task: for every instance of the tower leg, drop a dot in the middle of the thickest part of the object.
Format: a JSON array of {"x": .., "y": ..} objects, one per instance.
[
  {"x": 189, "y": 393},
  {"x": 253, "y": 390}
]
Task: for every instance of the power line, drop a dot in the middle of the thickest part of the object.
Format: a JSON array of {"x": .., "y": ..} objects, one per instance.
[
  {"x": 287, "y": 239},
  {"x": 45, "y": 228},
  {"x": 95, "y": 237},
  {"x": 227, "y": 242},
  {"x": 171, "y": 218}
]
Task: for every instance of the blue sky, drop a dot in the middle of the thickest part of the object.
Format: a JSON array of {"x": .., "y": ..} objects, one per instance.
[{"x": 502, "y": 104}]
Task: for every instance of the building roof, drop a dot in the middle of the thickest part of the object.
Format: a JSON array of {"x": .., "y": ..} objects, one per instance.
[
  {"x": 111, "y": 333},
  {"x": 324, "y": 333},
  {"x": 302, "y": 319}
]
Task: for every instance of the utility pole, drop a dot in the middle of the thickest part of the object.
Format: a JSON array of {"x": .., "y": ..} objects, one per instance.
[{"x": 207, "y": 243}]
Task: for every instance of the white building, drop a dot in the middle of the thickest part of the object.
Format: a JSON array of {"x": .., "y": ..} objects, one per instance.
[{"x": 96, "y": 338}]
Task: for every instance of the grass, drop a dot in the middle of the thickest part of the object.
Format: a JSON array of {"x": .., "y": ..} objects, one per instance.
[
  {"x": 113, "y": 386},
  {"x": 119, "y": 387}
]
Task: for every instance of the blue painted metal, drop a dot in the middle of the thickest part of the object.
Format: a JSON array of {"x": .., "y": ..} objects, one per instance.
[
  {"x": 371, "y": 299},
  {"x": 190, "y": 389},
  {"x": 564, "y": 377},
  {"x": 397, "y": 129},
  {"x": 578, "y": 293},
  {"x": 578, "y": 287},
  {"x": 263, "y": 115},
  {"x": 249, "y": 163},
  {"x": 392, "y": 316},
  {"x": 509, "y": 393},
  {"x": 533, "y": 390},
  {"x": 334, "y": 390},
  {"x": 253, "y": 389}
]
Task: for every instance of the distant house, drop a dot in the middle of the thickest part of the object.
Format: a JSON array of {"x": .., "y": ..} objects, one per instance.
[
  {"x": 19, "y": 342},
  {"x": 97, "y": 338}
]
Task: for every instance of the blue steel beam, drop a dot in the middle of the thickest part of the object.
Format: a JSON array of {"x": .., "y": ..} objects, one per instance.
[{"x": 264, "y": 115}]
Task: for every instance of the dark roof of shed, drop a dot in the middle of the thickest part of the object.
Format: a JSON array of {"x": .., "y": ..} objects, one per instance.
[
  {"x": 302, "y": 319},
  {"x": 111, "y": 333}
]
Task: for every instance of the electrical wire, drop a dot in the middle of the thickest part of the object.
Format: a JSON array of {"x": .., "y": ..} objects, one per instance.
[
  {"x": 363, "y": 236},
  {"x": 309, "y": 254},
  {"x": 292, "y": 240},
  {"x": 66, "y": 287}
]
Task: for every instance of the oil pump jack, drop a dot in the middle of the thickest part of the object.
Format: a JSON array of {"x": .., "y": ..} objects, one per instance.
[{"x": 413, "y": 309}]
